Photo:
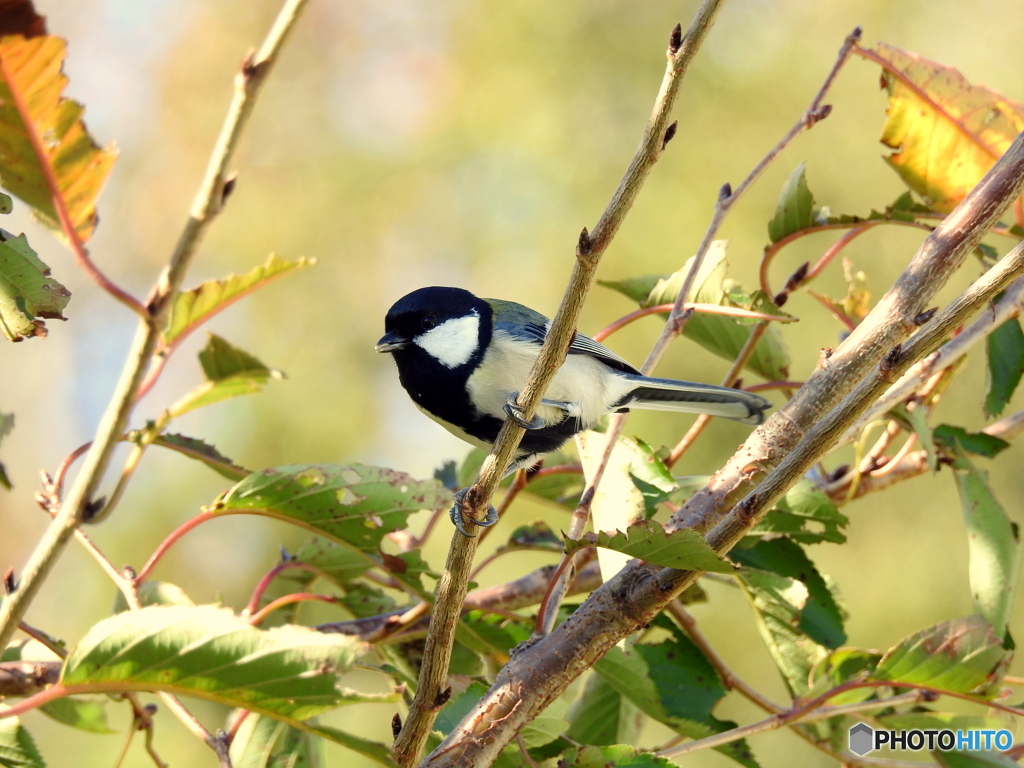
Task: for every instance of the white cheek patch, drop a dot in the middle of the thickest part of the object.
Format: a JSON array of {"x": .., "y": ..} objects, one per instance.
[{"x": 453, "y": 342}]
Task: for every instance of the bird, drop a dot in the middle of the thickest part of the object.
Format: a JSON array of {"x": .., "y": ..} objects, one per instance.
[{"x": 462, "y": 360}]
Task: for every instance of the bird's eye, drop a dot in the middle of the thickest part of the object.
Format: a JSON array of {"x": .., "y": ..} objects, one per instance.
[{"x": 429, "y": 322}]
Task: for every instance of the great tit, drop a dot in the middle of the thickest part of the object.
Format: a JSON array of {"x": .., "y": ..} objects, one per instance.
[{"x": 462, "y": 360}]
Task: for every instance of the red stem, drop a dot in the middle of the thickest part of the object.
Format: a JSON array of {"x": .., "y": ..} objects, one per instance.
[
  {"x": 774, "y": 385},
  {"x": 62, "y": 470},
  {"x": 60, "y": 206},
  {"x": 295, "y": 597},
  {"x": 707, "y": 309},
  {"x": 264, "y": 583},
  {"x": 835, "y": 311},
  {"x": 166, "y": 544},
  {"x": 542, "y": 609}
]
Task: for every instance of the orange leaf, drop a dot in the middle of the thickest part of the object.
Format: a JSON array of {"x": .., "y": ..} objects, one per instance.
[
  {"x": 51, "y": 139},
  {"x": 946, "y": 133}
]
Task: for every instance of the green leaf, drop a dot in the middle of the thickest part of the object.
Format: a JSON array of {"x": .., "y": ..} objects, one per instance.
[
  {"x": 288, "y": 672},
  {"x": 959, "y": 655},
  {"x": 194, "y": 307},
  {"x": 27, "y": 292},
  {"x": 960, "y": 759},
  {"x": 6, "y": 204},
  {"x": 33, "y": 66},
  {"x": 993, "y": 544},
  {"x": 230, "y": 372},
  {"x": 204, "y": 452},
  {"x": 805, "y": 514},
  {"x": 155, "y": 593},
  {"x": 635, "y": 288},
  {"x": 564, "y": 488},
  {"x": 458, "y": 707},
  {"x": 795, "y": 209},
  {"x": 1004, "y": 349},
  {"x": 339, "y": 564},
  {"x": 675, "y": 684},
  {"x": 840, "y": 667},
  {"x": 498, "y": 633},
  {"x": 938, "y": 721},
  {"x": 796, "y": 613},
  {"x": 351, "y": 504},
  {"x": 371, "y": 749},
  {"x": 958, "y": 440},
  {"x": 78, "y": 713},
  {"x": 536, "y": 536},
  {"x": 265, "y": 743},
  {"x": 364, "y": 600},
  {"x": 547, "y": 726},
  {"x": 647, "y": 540},
  {"x": 17, "y": 748},
  {"x": 618, "y": 755},
  {"x": 603, "y": 716}
]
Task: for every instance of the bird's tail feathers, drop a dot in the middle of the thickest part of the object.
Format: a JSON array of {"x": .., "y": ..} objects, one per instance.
[{"x": 693, "y": 397}]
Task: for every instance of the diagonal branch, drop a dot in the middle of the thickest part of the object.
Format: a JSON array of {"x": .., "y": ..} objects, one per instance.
[
  {"x": 208, "y": 202},
  {"x": 590, "y": 249},
  {"x": 537, "y": 674}
]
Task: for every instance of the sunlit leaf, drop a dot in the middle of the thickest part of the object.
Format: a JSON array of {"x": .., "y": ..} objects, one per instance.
[
  {"x": 204, "y": 452},
  {"x": 603, "y": 716},
  {"x": 993, "y": 545},
  {"x": 618, "y": 755},
  {"x": 340, "y": 564},
  {"x": 194, "y": 307},
  {"x": 945, "y": 132},
  {"x": 32, "y": 74},
  {"x": 841, "y": 666},
  {"x": 82, "y": 714},
  {"x": 28, "y": 294},
  {"x": 155, "y": 593},
  {"x": 647, "y": 540},
  {"x": 806, "y": 515},
  {"x": 290, "y": 672},
  {"x": 675, "y": 684},
  {"x": 17, "y": 748},
  {"x": 230, "y": 372},
  {"x": 1004, "y": 351},
  {"x": 262, "y": 742},
  {"x": 958, "y": 655},
  {"x": 795, "y": 209}
]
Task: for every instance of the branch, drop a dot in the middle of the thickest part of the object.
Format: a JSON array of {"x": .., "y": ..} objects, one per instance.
[
  {"x": 590, "y": 249},
  {"x": 208, "y": 202},
  {"x": 538, "y": 674}
]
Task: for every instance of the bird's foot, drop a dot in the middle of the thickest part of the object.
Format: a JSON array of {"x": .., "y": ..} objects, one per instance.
[
  {"x": 459, "y": 519},
  {"x": 516, "y": 415}
]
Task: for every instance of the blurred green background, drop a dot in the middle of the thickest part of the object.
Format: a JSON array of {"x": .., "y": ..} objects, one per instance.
[{"x": 465, "y": 143}]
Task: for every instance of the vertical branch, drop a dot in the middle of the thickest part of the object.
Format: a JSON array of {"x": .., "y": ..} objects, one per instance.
[
  {"x": 451, "y": 589},
  {"x": 79, "y": 502}
]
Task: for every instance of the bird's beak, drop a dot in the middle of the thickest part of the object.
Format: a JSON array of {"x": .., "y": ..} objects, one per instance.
[{"x": 391, "y": 341}]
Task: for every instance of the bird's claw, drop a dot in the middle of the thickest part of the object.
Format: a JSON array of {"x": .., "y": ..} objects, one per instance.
[
  {"x": 460, "y": 520},
  {"x": 516, "y": 415}
]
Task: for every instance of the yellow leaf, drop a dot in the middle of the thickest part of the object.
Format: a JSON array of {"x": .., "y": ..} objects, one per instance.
[
  {"x": 946, "y": 133},
  {"x": 31, "y": 81}
]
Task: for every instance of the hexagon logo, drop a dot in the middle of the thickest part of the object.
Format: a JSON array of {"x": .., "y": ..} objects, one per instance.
[{"x": 862, "y": 739}]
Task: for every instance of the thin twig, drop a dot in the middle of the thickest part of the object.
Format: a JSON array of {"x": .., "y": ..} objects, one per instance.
[
  {"x": 208, "y": 202},
  {"x": 214, "y": 742},
  {"x": 590, "y": 248},
  {"x": 295, "y": 597},
  {"x": 707, "y": 309}
]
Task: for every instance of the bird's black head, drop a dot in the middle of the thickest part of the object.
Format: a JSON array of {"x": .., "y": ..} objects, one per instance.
[{"x": 449, "y": 327}]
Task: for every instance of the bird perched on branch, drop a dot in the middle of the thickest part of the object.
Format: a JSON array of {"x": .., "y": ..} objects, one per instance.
[{"x": 462, "y": 359}]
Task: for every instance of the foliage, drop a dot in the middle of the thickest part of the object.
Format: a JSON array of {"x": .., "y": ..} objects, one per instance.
[{"x": 370, "y": 560}]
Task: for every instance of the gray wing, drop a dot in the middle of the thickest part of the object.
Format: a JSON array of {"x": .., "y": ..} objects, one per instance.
[{"x": 528, "y": 325}]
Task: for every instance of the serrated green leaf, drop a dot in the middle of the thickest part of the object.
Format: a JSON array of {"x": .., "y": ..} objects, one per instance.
[
  {"x": 337, "y": 563},
  {"x": 563, "y": 488},
  {"x": 364, "y": 600},
  {"x": 795, "y": 209},
  {"x": 28, "y": 294},
  {"x": 536, "y": 536},
  {"x": 82, "y": 714},
  {"x": 202, "y": 451},
  {"x": 351, "y": 504},
  {"x": 841, "y": 666},
  {"x": 1004, "y": 349},
  {"x": 261, "y": 742},
  {"x": 603, "y": 716},
  {"x": 17, "y": 748},
  {"x": 806, "y": 515},
  {"x": 675, "y": 684},
  {"x": 498, "y": 633},
  {"x": 32, "y": 66},
  {"x": 959, "y": 440},
  {"x": 618, "y": 755},
  {"x": 993, "y": 545},
  {"x": 377, "y": 752},
  {"x": 960, "y": 759},
  {"x": 155, "y": 593},
  {"x": 635, "y": 288},
  {"x": 230, "y": 372},
  {"x": 194, "y": 307},
  {"x": 647, "y": 540},
  {"x": 288, "y": 672},
  {"x": 958, "y": 655}
]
